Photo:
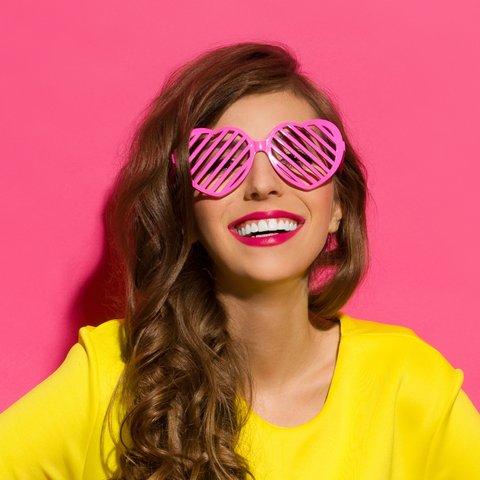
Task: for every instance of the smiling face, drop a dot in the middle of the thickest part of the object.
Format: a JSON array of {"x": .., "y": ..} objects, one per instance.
[{"x": 233, "y": 228}]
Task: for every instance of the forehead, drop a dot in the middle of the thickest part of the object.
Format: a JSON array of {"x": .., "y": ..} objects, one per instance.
[{"x": 258, "y": 115}]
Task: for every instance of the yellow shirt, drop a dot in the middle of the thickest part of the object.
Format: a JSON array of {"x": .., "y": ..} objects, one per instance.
[{"x": 395, "y": 410}]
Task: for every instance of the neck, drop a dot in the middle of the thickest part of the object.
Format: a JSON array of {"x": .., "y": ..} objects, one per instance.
[{"x": 273, "y": 323}]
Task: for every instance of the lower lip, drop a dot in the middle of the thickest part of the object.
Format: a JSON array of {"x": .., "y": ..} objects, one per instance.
[{"x": 269, "y": 241}]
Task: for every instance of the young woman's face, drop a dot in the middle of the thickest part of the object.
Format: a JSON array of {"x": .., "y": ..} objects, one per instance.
[{"x": 261, "y": 198}]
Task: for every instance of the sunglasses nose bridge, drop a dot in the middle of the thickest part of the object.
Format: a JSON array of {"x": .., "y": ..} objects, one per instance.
[{"x": 260, "y": 146}]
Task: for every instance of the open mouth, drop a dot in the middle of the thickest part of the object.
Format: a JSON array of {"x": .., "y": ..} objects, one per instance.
[
  {"x": 278, "y": 225},
  {"x": 266, "y": 227}
]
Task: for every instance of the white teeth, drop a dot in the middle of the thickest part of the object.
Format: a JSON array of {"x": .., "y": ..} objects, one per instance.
[
  {"x": 267, "y": 225},
  {"x": 272, "y": 225},
  {"x": 262, "y": 226}
]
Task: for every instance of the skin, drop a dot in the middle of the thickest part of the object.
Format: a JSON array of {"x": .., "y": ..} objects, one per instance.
[{"x": 265, "y": 289}]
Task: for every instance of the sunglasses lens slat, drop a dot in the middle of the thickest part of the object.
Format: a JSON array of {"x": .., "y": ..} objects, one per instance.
[
  {"x": 287, "y": 174},
  {"x": 310, "y": 169},
  {"x": 206, "y": 154},
  {"x": 236, "y": 179},
  {"x": 291, "y": 160},
  {"x": 310, "y": 137},
  {"x": 196, "y": 146},
  {"x": 219, "y": 160},
  {"x": 294, "y": 144},
  {"x": 315, "y": 150},
  {"x": 236, "y": 166},
  {"x": 314, "y": 153}
]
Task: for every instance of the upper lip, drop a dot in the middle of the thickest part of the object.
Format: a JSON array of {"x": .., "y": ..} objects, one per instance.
[{"x": 267, "y": 214}]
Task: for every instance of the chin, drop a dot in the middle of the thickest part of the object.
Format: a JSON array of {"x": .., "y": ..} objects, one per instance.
[{"x": 267, "y": 275}]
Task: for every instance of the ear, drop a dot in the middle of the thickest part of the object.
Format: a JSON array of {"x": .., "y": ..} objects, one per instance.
[{"x": 335, "y": 217}]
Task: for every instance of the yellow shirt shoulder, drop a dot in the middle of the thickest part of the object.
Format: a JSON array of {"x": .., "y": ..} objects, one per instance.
[
  {"x": 59, "y": 429},
  {"x": 395, "y": 410}
]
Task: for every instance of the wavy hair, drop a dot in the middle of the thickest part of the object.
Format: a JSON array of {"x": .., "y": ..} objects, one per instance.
[{"x": 183, "y": 371}]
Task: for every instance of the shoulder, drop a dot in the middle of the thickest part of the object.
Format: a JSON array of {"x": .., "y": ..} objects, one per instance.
[
  {"x": 391, "y": 379},
  {"x": 353, "y": 326},
  {"x": 102, "y": 346},
  {"x": 412, "y": 366},
  {"x": 106, "y": 339},
  {"x": 391, "y": 340},
  {"x": 67, "y": 411}
]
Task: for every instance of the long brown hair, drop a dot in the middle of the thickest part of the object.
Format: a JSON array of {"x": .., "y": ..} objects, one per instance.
[{"x": 183, "y": 371}]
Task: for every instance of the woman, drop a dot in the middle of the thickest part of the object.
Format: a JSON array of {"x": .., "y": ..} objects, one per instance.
[{"x": 241, "y": 219}]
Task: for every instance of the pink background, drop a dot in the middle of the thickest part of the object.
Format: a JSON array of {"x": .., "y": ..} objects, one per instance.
[{"x": 75, "y": 75}]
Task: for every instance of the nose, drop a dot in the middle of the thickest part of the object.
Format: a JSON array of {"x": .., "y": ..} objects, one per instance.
[{"x": 262, "y": 180}]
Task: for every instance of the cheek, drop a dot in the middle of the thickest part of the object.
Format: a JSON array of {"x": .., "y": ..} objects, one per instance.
[
  {"x": 320, "y": 203},
  {"x": 200, "y": 221},
  {"x": 208, "y": 220},
  {"x": 202, "y": 228}
]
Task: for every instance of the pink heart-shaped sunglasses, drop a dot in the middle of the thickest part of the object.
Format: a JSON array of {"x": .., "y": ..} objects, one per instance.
[{"x": 304, "y": 155}]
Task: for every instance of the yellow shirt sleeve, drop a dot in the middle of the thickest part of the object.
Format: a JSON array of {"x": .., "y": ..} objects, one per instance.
[
  {"x": 455, "y": 449},
  {"x": 55, "y": 430},
  {"x": 46, "y": 433}
]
